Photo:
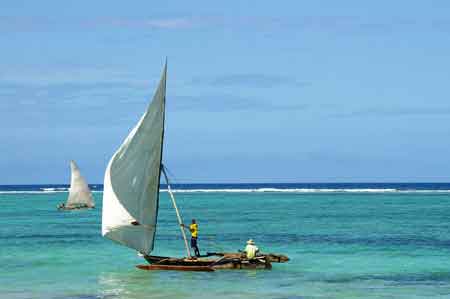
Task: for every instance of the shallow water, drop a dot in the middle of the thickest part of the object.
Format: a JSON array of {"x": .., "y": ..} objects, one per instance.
[{"x": 341, "y": 245}]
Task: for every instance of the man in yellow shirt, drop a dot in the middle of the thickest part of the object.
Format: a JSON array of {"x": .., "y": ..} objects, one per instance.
[
  {"x": 251, "y": 250},
  {"x": 193, "y": 228}
]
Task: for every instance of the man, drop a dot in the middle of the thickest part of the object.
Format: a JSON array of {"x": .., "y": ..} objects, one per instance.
[
  {"x": 251, "y": 249},
  {"x": 193, "y": 228}
]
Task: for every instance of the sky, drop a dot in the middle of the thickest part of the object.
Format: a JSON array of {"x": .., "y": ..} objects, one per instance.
[{"x": 257, "y": 91}]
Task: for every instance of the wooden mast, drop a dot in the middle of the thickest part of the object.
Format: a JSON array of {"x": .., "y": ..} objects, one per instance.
[{"x": 176, "y": 210}]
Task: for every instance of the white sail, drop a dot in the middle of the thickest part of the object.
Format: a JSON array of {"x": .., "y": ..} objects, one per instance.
[
  {"x": 131, "y": 186},
  {"x": 79, "y": 193}
]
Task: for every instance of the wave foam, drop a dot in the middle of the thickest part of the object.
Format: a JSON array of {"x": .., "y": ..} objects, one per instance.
[
  {"x": 59, "y": 189},
  {"x": 42, "y": 191},
  {"x": 27, "y": 192},
  {"x": 305, "y": 190}
]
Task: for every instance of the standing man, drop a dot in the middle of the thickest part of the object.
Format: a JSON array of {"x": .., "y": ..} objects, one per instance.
[{"x": 193, "y": 228}]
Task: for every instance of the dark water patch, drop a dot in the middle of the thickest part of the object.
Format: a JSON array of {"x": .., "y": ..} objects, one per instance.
[
  {"x": 286, "y": 284},
  {"x": 50, "y": 239},
  {"x": 380, "y": 241},
  {"x": 86, "y": 225},
  {"x": 433, "y": 278},
  {"x": 61, "y": 242},
  {"x": 86, "y": 296},
  {"x": 56, "y": 243},
  {"x": 203, "y": 237},
  {"x": 48, "y": 236},
  {"x": 370, "y": 241},
  {"x": 285, "y": 239},
  {"x": 38, "y": 262}
]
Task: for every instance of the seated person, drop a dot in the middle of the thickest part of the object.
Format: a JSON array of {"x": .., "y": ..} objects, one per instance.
[{"x": 251, "y": 249}]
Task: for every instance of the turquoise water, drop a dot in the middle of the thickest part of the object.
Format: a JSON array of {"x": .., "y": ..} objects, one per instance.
[{"x": 385, "y": 245}]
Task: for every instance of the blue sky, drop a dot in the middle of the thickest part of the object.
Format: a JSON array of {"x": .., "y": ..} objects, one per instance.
[{"x": 297, "y": 91}]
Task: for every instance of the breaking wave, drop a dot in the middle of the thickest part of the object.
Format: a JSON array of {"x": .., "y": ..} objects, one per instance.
[
  {"x": 42, "y": 191},
  {"x": 59, "y": 189},
  {"x": 250, "y": 189}
]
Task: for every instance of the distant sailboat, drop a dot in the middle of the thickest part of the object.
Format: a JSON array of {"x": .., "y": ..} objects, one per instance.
[
  {"x": 131, "y": 195},
  {"x": 80, "y": 196}
]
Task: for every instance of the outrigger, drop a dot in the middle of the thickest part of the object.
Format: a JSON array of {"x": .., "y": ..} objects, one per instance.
[{"x": 131, "y": 198}]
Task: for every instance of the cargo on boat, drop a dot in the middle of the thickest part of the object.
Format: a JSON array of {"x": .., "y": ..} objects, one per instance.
[{"x": 271, "y": 257}]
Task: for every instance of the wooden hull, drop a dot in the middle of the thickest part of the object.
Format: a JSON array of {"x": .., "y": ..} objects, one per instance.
[
  {"x": 244, "y": 264},
  {"x": 164, "y": 263},
  {"x": 175, "y": 268},
  {"x": 61, "y": 208}
]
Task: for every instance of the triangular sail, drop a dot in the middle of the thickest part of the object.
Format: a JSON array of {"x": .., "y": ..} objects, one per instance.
[
  {"x": 79, "y": 193},
  {"x": 131, "y": 186}
]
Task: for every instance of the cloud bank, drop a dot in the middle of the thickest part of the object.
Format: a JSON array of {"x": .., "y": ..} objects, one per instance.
[
  {"x": 251, "y": 80},
  {"x": 395, "y": 112}
]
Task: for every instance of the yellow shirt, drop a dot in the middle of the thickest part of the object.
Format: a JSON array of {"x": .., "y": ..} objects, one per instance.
[
  {"x": 251, "y": 250},
  {"x": 194, "y": 230}
]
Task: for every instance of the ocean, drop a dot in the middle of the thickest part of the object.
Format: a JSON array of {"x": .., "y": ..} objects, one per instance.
[{"x": 344, "y": 241}]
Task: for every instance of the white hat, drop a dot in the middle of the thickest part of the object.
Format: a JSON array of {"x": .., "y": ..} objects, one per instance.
[{"x": 250, "y": 242}]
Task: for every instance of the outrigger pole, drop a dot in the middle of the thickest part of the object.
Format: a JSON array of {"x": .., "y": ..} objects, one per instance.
[{"x": 176, "y": 210}]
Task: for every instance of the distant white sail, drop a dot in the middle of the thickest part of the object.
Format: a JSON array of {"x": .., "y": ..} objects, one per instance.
[
  {"x": 79, "y": 193},
  {"x": 131, "y": 186}
]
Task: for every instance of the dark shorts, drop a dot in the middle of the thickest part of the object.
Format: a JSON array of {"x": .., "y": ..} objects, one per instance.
[{"x": 193, "y": 242}]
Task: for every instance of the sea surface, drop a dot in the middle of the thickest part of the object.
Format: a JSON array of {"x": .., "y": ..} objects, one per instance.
[{"x": 344, "y": 241}]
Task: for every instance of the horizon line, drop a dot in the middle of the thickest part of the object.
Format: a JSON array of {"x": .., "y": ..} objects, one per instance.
[{"x": 246, "y": 183}]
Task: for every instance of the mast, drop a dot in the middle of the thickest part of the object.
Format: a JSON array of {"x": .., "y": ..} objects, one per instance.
[
  {"x": 176, "y": 210},
  {"x": 161, "y": 166}
]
